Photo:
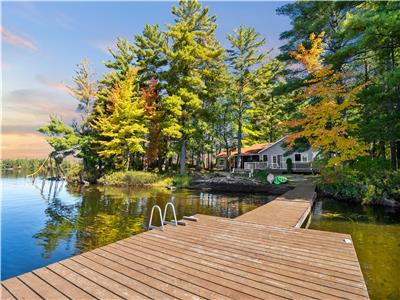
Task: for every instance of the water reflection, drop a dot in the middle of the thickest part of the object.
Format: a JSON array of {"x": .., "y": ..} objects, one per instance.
[
  {"x": 105, "y": 215},
  {"x": 42, "y": 224}
]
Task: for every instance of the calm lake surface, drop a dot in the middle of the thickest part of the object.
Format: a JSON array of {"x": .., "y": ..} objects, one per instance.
[
  {"x": 376, "y": 235},
  {"x": 42, "y": 228}
]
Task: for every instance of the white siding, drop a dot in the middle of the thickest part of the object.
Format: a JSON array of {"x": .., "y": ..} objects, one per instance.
[{"x": 277, "y": 149}]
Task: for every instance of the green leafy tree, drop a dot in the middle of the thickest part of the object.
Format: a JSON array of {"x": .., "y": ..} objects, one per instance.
[{"x": 123, "y": 129}]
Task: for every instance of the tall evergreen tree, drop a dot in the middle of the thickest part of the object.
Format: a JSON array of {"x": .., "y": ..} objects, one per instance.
[
  {"x": 268, "y": 110},
  {"x": 244, "y": 57},
  {"x": 187, "y": 54},
  {"x": 373, "y": 50}
]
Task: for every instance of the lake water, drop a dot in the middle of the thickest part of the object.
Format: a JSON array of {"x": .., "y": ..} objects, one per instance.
[
  {"x": 39, "y": 228},
  {"x": 376, "y": 235}
]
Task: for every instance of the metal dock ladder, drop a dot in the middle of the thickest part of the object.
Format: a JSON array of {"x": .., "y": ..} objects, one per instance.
[{"x": 162, "y": 216}]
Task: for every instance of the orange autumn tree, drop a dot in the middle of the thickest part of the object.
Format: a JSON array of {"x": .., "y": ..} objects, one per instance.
[
  {"x": 330, "y": 102},
  {"x": 150, "y": 97}
]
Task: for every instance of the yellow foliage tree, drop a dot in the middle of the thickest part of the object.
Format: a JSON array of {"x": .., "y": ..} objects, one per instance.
[
  {"x": 123, "y": 130},
  {"x": 330, "y": 103}
]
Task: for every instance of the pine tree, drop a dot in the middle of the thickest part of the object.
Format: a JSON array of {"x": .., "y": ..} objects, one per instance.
[
  {"x": 150, "y": 47},
  {"x": 244, "y": 58},
  {"x": 373, "y": 48},
  {"x": 268, "y": 110},
  {"x": 188, "y": 54}
]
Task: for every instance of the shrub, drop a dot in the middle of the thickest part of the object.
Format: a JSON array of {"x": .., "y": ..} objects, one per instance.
[
  {"x": 261, "y": 175},
  {"x": 76, "y": 174},
  {"x": 289, "y": 165},
  {"x": 182, "y": 181},
  {"x": 128, "y": 178},
  {"x": 368, "y": 181},
  {"x": 343, "y": 184}
]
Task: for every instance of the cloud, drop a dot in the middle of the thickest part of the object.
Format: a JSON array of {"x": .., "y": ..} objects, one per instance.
[
  {"x": 52, "y": 84},
  {"x": 24, "y": 111},
  {"x": 16, "y": 40},
  {"x": 65, "y": 21},
  {"x": 23, "y": 145},
  {"x": 27, "y": 109},
  {"x": 5, "y": 66},
  {"x": 103, "y": 46}
]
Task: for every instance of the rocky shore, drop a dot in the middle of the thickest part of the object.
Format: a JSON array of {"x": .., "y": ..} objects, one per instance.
[{"x": 238, "y": 185}]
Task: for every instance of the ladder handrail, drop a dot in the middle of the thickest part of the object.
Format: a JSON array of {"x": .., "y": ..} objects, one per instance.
[
  {"x": 175, "y": 221},
  {"x": 151, "y": 218}
]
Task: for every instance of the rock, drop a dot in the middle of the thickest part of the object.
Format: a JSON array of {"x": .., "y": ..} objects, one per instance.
[
  {"x": 238, "y": 185},
  {"x": 390, "y": 203}
]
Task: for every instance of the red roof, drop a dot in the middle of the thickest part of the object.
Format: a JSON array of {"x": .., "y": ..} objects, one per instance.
[{"x": 252, "y": 150}]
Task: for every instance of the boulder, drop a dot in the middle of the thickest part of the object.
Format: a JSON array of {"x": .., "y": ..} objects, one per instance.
[{"x": 238, "y": 185}]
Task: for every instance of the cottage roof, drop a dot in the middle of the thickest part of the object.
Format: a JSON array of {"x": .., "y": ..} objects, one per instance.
[{"x": 252, "y": 150}]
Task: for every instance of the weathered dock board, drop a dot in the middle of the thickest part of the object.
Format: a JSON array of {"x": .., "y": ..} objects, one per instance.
[
  {"x": 213, "y": 258},
  {"x": 288, "y": 210}
]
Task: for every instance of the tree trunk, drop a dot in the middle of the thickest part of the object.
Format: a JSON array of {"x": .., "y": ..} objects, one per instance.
[
  {"x": 239, "y": 146},
  {"x": 393, "y": 155},
  {"x": 382, "y": 149},
  {"x": 128, "y": 161},
  {"x": 398, "y": 155},
  {"x": 373, "y": 150},
  {"x": 182, "y": 161}
]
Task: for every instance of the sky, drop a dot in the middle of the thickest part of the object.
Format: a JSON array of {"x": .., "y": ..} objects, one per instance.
[{"x": 42, "y": 42}]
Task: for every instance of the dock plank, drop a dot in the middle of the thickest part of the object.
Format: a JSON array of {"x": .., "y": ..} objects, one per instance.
[
  {"x": 259, "y": 255},
  {"x": 62, "y": 285},
  {"x": 19, "y": 289},
  {"x": 5, "y": 294},
  {"x": 41, "y": 287}
]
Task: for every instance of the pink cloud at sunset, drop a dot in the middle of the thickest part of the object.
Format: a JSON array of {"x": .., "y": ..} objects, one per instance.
[
  {"x": 52, "y": 84},
  {"x": 24, "y": 111},
  {"x": 23, "y": 145},
  {"x": 13, "y": 39}
]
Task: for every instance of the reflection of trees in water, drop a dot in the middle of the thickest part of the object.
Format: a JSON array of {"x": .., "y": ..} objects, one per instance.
[
  {"x": 104, "y": 215},
  {"x": 59, "y": 226}
]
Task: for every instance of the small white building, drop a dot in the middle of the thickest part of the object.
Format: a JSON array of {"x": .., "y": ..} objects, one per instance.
[{"x": 269, "y": 156}]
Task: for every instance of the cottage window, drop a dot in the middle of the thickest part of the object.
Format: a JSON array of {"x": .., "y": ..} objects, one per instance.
[
  {"x": 297, "y": 157},
  {"x": 274, "y": 159},
  {"x": 265, "y": 157},
  {"x": 304, "y": 158}
]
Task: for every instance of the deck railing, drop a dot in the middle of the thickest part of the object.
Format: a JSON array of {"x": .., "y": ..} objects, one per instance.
[{"x": 263, "y": 165}]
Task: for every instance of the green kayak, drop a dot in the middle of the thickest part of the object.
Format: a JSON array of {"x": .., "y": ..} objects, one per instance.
[{"x": 280, "y": 179}]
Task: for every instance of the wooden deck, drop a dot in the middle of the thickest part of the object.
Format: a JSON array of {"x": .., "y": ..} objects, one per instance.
[{"x": 214, "y": 258}]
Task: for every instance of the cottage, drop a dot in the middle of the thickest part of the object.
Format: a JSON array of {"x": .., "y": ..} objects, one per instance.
[{"x": 269, "y": 156}]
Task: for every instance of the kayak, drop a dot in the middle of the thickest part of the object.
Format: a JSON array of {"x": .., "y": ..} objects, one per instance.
[{"x": 280, "y": 179}]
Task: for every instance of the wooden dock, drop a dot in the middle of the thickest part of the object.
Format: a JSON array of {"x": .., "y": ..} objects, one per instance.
[
  {"x": 213, "y": 258},
  {"x": 288, "y": 210}
]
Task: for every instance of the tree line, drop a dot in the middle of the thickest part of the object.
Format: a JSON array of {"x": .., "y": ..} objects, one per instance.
[{"x": 175, "y": 95}]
